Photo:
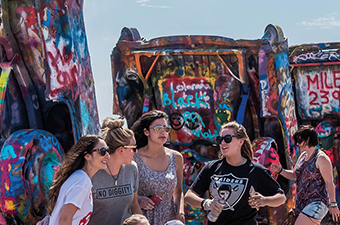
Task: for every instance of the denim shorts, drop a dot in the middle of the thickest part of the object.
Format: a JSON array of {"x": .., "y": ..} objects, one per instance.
[{"x": 316, "y": 210}]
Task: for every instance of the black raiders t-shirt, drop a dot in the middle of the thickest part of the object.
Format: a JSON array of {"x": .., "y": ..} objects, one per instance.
[{"x": 232, "y": 183}]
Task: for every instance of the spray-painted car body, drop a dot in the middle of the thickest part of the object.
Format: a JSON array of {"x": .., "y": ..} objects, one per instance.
[
  {"x": 202, "y": 82},
  {"x": 316, "y": 71},
  {"x": 46, "y": 84}
]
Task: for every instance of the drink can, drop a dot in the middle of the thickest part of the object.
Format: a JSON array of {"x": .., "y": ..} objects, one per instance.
[{"x": 213, "y": 215}]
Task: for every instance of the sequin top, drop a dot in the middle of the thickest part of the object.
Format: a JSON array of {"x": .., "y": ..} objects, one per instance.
[{"x": 161, "y": 183}]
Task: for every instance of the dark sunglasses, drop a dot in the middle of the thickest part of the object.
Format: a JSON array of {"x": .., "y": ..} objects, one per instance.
[
  {"x": 102, "y": 151},
  {"x": 160, "y": 129},
  {"x": 133, "y": 147},
  {"x": 227, "y": 138}
]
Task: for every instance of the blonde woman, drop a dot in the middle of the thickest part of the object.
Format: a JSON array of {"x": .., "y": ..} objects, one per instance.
[
  {"x": 241, "y": 183},
  {"x": 115, "y": 188}
]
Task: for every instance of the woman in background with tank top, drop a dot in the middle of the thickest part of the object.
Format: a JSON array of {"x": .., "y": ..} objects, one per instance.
[
  {"x": 315, "y": 192},
  {"x": 160, "y": 170}
]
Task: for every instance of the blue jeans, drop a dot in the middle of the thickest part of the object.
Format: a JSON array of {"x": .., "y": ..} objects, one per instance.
[{"x": 316, "y": 210}]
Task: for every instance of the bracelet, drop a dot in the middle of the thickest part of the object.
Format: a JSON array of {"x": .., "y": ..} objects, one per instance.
[
  {"x": 280, "y": 170},
  {"x": 202, "y": 203},
  {"x": 333, "y": 204}
]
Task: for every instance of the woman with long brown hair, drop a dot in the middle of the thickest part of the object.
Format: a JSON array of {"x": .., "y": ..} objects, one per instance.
[
  {"x": 70, "y": 197},
  {"x": 237, "y": 185},
  {"x": 160, "y": 170}
]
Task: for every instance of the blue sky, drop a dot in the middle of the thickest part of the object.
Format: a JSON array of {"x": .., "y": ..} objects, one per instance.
[{"x": 301, "y": 21}]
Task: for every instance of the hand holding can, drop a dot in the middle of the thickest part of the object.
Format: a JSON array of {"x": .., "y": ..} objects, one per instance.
[{"x": 216, "y": 210}]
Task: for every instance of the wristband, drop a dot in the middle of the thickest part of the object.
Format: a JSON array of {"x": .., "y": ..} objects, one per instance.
[
  {"x": 333, "y": 204},
  {"x": 202, "y": 203},
  {"x": 280, "y": 170}
]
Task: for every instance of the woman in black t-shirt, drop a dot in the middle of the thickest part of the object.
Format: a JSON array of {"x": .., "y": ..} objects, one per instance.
[{"x": 231, "y": 179}]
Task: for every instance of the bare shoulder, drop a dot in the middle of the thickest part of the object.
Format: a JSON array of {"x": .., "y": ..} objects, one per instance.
[
  {"x": 323, "y": 157},
  {"x": 177, "y": 154},
  {"x": 302, "y": 155}
]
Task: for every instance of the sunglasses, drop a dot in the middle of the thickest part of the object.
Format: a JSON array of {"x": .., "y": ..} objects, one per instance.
[
  {"x": 227, "y": 138},
  {"x": 133, "y": 147},
  {"x": 160, "y": 129},
  {"x": 101, "y": 150}
]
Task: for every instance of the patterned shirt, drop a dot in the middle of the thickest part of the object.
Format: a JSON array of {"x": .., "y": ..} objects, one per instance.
[{"x": 310, "y": 185}]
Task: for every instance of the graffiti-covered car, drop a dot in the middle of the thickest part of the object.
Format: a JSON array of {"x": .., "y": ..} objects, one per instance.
[
  {"x": 316, "y": 71},
  {"x": 47, "y": 99},
  {"x": 202, "y": 82}
]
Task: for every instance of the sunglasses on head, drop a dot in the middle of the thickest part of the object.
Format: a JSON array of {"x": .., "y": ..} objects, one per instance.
[
  {"x": 227, "y": 138},
  {"x": 101, "y": 150},
  {"x": 133, "y": 147},
  {"x": 160, "y": 129}
]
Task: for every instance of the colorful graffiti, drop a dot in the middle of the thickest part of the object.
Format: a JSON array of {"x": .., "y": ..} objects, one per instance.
[
  {"x": 189, "y": 99},
  {"x": 52, "y": 66},
  {"x": 46, "y": 84},
  {"x": 264, "y": 149},
  {"x": 193, "y": 163},
  {"x": 5, "y": 70},
  {"x": 29, "y": 160},
  {"x": 316, "y": 71},
  {"x": 318, "y": 90},
  {"x": 202, "y": 82}
]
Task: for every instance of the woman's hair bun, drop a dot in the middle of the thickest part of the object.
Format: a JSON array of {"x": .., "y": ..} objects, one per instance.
[{"x": 111, "y": 124}]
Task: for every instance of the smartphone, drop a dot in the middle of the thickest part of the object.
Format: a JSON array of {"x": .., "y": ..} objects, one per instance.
[
  {"x": 156, "y": 199},
  {"x": 251, "y": 191}
]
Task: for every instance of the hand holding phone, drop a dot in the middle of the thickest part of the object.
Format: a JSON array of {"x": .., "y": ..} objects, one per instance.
[
  {"x": 155, "y": 198},
  {"x": 252, "y": 193}
]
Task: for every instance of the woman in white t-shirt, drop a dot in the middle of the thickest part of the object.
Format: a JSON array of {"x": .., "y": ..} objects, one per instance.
[{"x": 70, "y": 197}]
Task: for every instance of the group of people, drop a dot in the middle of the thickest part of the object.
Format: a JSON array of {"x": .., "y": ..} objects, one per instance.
[
  {"x": 106, "y": 179},
  {"x": 128, "y": 173}
]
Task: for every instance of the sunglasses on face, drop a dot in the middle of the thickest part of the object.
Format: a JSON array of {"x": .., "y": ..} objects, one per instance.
[
  {"x": 133, "y": 147},
  {"x": 227, "y": 138},
  {"x": 101, "y": 150},
  {"x": 160, "y": 129}
]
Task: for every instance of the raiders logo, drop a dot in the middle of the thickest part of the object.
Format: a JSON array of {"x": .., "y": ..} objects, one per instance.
[{"x": 229, "y": 188}]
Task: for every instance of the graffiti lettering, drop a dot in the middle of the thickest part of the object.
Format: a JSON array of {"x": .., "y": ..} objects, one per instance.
[
  {"x": 264, "y": 94},
  {"x": 324, "y": 95},
  {"x": 323, "y": 80},
  {"x": 207, "y": 135},
  {"x": 193, "y": 117},
  {"x": 199, "y": 100},
  {"x": 192, "y": 87},
  {"x": 317, "y": 57},
  {"x": 318, "y": 111}
]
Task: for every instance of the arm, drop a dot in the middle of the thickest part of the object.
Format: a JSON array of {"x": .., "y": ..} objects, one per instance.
[
  {"x": 178, "y": 193},
  {"x": 135, "y": 208},
  {"x": 258, "y": 200},
  {"x": 325, "y": 166},
  {"x": 67, "y": 213},
  {"x": 193, "y": 199},
  {"x": 289, "y": 174}
]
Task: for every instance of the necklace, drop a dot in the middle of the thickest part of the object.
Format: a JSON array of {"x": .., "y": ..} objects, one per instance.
[{"x": 113, "y": 177}]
